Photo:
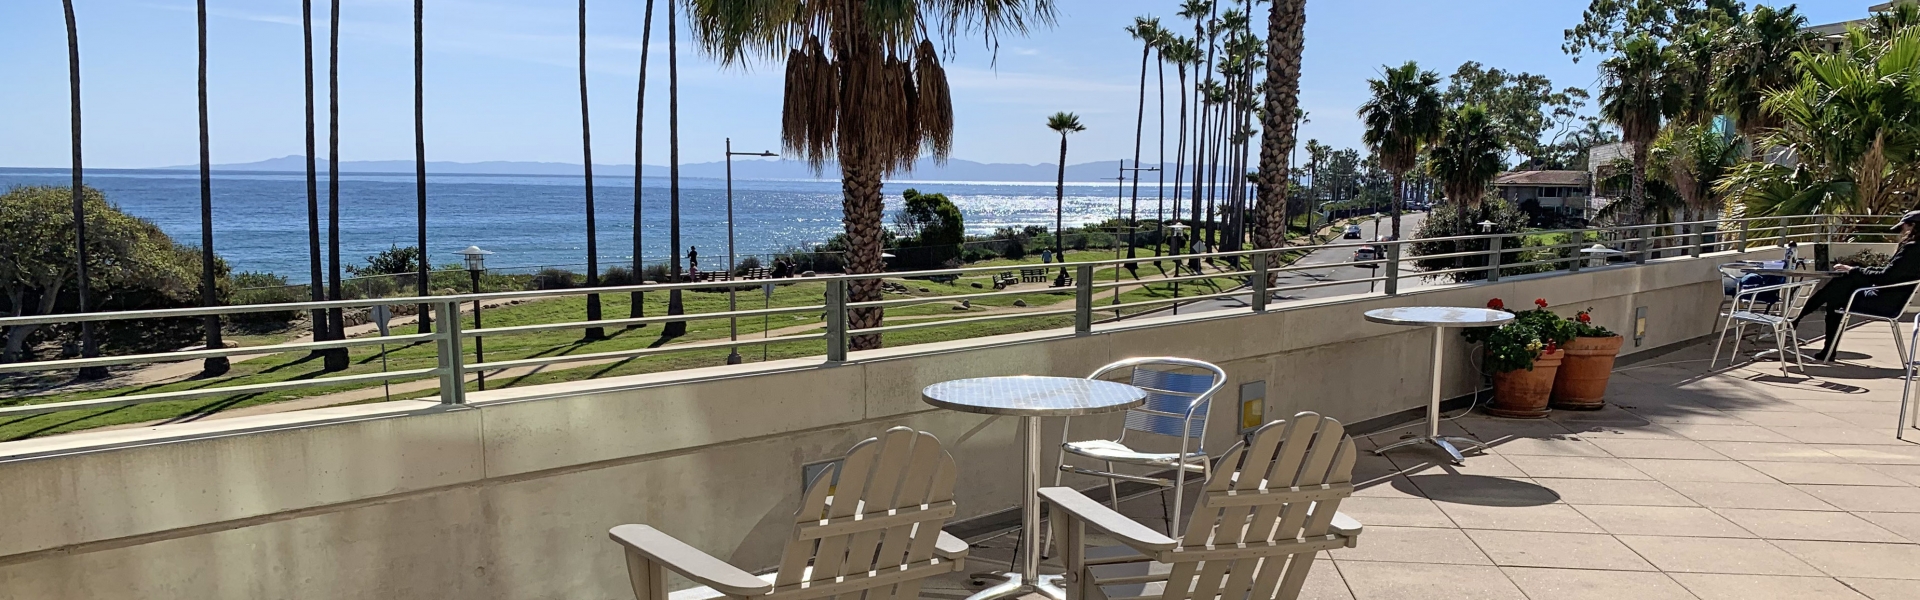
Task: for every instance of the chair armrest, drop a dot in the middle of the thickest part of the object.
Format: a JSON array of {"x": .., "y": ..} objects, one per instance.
[
  {"x": 948, "y": 547},
  {"x": 688, "y": 561},
  {"x": 1134, "y": 535},
  {"x": 1345, "y": 525}
]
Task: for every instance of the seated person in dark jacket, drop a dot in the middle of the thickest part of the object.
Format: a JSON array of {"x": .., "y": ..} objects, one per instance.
[{"x": 1890, "y": 302}]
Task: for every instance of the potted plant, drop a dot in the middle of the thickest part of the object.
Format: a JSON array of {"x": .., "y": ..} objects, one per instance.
[
  {"x": 1524, "y": 355},
  {"x": 1581, "y": 383}
]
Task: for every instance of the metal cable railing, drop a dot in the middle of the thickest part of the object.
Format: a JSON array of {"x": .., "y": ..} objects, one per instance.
[{"x": 1251, "y": 279}]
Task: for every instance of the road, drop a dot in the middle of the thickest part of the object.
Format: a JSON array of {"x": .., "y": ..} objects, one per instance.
[{"x": 1409, "y": 223}]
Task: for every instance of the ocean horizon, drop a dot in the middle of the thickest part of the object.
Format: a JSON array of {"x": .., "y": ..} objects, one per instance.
[{"x": 536, "y": 221}]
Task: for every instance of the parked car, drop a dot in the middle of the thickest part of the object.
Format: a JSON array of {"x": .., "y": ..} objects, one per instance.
[{"x": 1352, "y": 232}]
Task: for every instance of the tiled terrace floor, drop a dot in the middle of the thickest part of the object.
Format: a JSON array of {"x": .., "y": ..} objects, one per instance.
[{"x": 1734, "y": 484}]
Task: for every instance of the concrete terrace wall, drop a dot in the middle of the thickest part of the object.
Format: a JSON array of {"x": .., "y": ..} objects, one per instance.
[{"x": 511, "y": 497}]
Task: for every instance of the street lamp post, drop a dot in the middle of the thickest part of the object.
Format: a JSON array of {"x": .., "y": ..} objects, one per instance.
[
  {"x": 733, "y": 322},
  {"x": 476, "y": 260}
]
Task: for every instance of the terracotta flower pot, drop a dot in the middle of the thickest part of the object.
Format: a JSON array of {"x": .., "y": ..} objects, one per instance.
[
  {"x": 1582, "y": 381},
  {"x": 1523, "y": 394}
]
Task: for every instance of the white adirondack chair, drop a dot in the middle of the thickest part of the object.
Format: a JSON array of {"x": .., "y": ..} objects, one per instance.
[
  {"x": 1269, "y": 507},
  {"x": 870, "y": 525}
]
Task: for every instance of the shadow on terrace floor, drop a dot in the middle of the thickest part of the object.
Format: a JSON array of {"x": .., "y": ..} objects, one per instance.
[{"x": 1693, "y": 483}]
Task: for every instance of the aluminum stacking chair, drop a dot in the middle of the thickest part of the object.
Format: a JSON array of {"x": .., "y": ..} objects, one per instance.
[
  {"x": 1742, "y": 313},
  {"x": 1180, "y": 392},
  {"x": 870, "y": 525},
  {"x": 1266, "y": 512},
  {"x": 1904, "y": 289},
  {"x": 1906, "y": 390}
]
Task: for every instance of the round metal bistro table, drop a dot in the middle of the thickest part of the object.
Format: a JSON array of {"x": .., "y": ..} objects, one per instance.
[
  {"x": 1031, "y": 398},
  {"x": 1440, "y": 318}
]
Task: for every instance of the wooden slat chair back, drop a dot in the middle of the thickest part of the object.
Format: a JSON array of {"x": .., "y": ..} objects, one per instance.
[
  {"x": 869, "y": 528},
  {"x": 1269, "y": 507}
]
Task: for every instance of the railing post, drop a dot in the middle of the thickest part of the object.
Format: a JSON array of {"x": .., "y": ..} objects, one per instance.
[
  {"x": 1826, "y": 229},
  {"x": 1494, "y": 246},
  {"x": 1645, "y": 245},
  {"x": 1782, "y": 222},
  {"x": 1392, "y": 284},
  {"x": 1259, "y": 282},
  {"x": 836, "y": 320},
  {"x": 453, "y": 360},
  {"x": 1746, "y": 229},
  {"x": 1695, "y": 239},
  {"x": 1083, "y": 299}
]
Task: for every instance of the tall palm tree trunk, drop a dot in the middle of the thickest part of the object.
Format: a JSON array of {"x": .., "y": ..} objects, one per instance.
[
  {"x": 1399, "y": 198},
  {"x": 1160, "y": 161},
  {"x": 674, "y": 306},
  {"x": 88, "y": 349},
  {"x": 1637, "y": 190},
  {"x": 420, "y": 156},
  {"x": 637, "y": 301},
  {"x": 337, "y": 357},
  {"x": 1060, "y": 209},
  {"x": 209, "y": 292},
  {"x": 586, "y": 153},
  {"x": 1180, "y": 152},
  {"x": 316, "y": 279},
  {"x": 1139, "y": 133}
]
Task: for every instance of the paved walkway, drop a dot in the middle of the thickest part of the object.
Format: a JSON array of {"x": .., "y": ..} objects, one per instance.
[{"x": 1735, "y": 484}]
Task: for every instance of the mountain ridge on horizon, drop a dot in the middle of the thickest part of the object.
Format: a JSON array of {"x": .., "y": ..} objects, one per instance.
[{"x": 925, "y": 170}]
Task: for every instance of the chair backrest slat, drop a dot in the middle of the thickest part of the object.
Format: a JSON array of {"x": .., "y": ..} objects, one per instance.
[
  {"x": 1169, "y": 396},
  {"x": 883, "y": 506},
  {"x": 1258, "y": 478}
]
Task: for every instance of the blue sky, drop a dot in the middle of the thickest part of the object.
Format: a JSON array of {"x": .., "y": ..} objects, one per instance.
[{"x": 501, "y": 79}]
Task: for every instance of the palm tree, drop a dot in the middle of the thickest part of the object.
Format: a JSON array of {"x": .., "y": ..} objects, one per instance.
[
  {"x": 864, "y": 87},
  {"x": 1642, "y": 87},
  {"x": 87, "y": 347},
  {"x": 316, "y": 282},
  {"x": 1467, "y": 154},
  {"x": 1286, "y": 40},
  {"x": 1756, "y": 60},
  {"x": 586, "y": 153},
  {"x": 336, "y": 358},
  {"x": 420, "y": 155},
  {"x": 1183, "y": 53},
  {"x": 209, "y": 294},
  {"x": 637, "y": 301},
  {"x": 1694, "y": 158},
  {"x": 674, "y": 303},
  {"x": 1064, "y": 123},
  {"x": 1402, "y": 116},
  {"x": 1147, "y": 30}
]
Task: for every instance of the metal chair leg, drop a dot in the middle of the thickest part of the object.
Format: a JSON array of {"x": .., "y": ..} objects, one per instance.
[
  {"x": 1718, "y": 344},
  {"x": 1780, "y": 341},
  {"x": 1833, "y": 345},
  {"x": 1906, "y": 393},
  {"x": 1739, "y": 332},
  {"x": 1899, "y": 347},
  {"x": 1113, "y": 490}
]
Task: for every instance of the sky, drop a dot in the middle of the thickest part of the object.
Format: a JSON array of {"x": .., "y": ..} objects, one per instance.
[{"x": 502, "y": 80}]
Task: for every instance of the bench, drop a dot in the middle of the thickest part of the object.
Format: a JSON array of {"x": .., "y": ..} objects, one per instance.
[
  {"x": 1033, "y": 275},
  {"x": 1003, "y": 280}
]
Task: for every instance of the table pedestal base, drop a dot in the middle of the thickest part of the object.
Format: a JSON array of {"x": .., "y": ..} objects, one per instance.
[
  {"x": 1016, "y": 585},
  {"x": 1447, "y": 443}
]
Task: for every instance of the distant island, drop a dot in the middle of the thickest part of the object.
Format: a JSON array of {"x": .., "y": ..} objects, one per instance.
[{"x": 926, "y": 170}]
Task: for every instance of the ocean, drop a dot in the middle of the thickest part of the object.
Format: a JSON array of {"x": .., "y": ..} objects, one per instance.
[{"x": 533, "y": 221}]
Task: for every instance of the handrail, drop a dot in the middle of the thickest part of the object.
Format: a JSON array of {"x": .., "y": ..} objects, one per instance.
[{"x": 1634, "y": 243}]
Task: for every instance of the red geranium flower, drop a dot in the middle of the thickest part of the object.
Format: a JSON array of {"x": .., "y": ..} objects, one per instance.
[
  {"x": 1551, "y": 347},
  {"x": 1540, "y": 302},
  {"x": 1585, "y": 318},
  {"x": 1496, "y": 304}
]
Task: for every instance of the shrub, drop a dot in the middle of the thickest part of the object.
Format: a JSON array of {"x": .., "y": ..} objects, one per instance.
[
  {"x": 656, "y": 272},
  {"x": 618, "y": 276},
  {"x": 552, "y": 278},
  {"x": 265, "y": 288},
  {"x": 394, "y": 260},
  {"x": 746, "y": 264}
]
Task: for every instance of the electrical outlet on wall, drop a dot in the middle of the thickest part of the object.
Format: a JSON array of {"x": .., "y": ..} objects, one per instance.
[{"x": 1639, "y": 325}]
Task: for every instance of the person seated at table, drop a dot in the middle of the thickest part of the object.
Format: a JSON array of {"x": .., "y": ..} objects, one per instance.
[{"x": 1833, "y": 297}]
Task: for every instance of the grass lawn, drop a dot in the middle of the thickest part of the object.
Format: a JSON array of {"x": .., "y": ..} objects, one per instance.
[{"x": 940, "y": 304}]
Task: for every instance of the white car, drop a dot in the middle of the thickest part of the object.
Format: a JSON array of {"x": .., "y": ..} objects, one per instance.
[
  {"x": 1352, "y": 232},
  {"x": 1365, "y": 253}
]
